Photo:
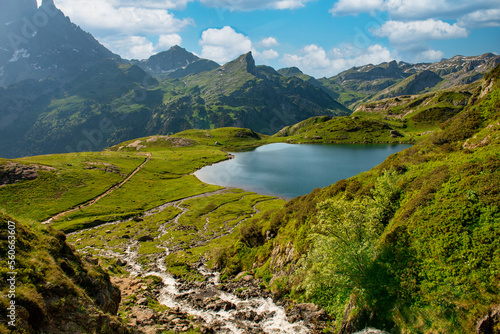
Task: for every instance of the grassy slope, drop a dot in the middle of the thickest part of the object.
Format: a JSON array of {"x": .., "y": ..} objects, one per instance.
[
  {"x": 168, "y": 171},
  {"x": 438, "y": 255},
  {"x": 412, "y": 116},
  {"x": 57, "y": 291}
]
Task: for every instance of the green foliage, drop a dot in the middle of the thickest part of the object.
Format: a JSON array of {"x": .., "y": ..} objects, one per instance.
[{"x": 342, "y": 259}]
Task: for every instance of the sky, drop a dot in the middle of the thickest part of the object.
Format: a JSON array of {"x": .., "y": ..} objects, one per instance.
[{"x": 321, "y": 37}]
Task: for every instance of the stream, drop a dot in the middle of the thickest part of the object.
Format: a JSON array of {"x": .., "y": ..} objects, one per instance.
[
  {"x": 207, "y": 301},
  {"x": 237, "y": 307}
]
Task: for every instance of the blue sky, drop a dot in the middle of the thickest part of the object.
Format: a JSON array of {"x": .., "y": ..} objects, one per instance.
[{"x": 321, "y": 37}]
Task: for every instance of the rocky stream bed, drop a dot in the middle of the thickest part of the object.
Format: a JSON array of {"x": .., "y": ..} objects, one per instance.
[{"x": 240, "y": 305}]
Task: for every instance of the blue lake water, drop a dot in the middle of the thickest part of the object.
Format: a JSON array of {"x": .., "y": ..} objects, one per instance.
[{"x": 288, "y": 171}]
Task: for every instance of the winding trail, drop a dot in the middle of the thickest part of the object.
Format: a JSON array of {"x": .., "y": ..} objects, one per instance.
[{"x": 95, "y": 199}]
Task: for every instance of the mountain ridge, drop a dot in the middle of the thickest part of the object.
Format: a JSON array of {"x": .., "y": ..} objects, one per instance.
[{"x": 370, "y": 82}]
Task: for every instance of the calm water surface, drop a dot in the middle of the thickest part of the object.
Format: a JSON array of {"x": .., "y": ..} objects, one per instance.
[{"x": 289, "y": 171}]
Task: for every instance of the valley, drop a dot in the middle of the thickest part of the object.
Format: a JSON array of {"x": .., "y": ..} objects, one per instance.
[
  {"x": 106, "y": 228},
  {"x": 236, "y": 251}
]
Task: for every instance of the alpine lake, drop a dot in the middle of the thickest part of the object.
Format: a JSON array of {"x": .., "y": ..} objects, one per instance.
[{"x": 288, "y": 170}]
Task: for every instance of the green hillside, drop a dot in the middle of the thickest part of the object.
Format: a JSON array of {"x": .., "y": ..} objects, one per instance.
[
  {"x": 410, "y": 246},
  {"x": 111, "y": 102}
]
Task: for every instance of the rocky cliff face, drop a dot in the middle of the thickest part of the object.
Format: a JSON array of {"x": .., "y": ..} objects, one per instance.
[{"x": 37, "y": 43}]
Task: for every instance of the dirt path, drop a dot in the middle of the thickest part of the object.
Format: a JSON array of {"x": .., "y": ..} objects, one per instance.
[{"x": 95, "y": 199}]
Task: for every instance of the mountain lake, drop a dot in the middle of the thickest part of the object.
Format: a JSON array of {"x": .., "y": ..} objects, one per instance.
[{"x": 288, "y": 171}]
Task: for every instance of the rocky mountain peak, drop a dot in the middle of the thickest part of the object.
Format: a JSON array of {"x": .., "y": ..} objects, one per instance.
[
  {"x": 48, "y": 3},
  {"x": 245, "y": 62},
  {"x": 168, "y": 61},
  {"x": 55, "y": 49}
]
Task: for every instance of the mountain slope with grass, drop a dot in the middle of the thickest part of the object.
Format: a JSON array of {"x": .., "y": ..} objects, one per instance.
[
  {"x": 410, "y": 246},
  {"x": 60, "y": 82},
  {"x": 57, "y": 291},
  {"x": 403, "y": 119}
]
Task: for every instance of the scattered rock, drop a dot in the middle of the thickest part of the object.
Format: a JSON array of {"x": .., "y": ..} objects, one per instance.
[
  {"x": 90, "y": 259},
  {"x": 121, "y": 263},
  {"x": 395, "y": 134},
  {"x": 488, "y": 324},
  {"x": 13, "y": 172},
  {"x": 105, "y": 167},
  {"x": 145, "y": 238}
]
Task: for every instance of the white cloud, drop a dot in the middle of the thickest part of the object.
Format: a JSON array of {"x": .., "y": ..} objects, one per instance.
[
  {"x": 268, "y": 42},
  {"x": 124, "y": 17},
  {"x": 163, "y": 4},
  {"x": 412, "y": 10},
  {"x": 247, "y": 5},
  {"x": 419, "y": 31},
  {"x": 481, "y": 18},
  {"x": 223, "y": 45},
  {"x": 129, "y": 47},
  {"x": 429, "y": 56},
  {"x": 139, "y": 47},
  {"x": 314, "y": 60},
  {"x": 165, "y": 42},
  {"x": 266, "y": 54},
  {"x": 354, "y": 7}
]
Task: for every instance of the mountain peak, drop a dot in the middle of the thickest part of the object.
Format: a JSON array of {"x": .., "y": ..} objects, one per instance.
[
  {"x": 290, "y": 71},
  {"x": 244, "y": 62},
  {"x": 169, "y": 61},
  {"x": 48, "y": 3}
]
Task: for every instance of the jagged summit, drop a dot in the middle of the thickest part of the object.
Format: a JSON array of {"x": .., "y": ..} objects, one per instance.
[
  {"x": 56, "y": 49},
  {"x": 170, "y": 60},
  {"x": 48, "y": 3},
  {"x": 175, "y": 63},
  {"x": 244, "y": 62}
]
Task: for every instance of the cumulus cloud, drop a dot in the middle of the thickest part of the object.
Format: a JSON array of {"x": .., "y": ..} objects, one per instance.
[
  {"x": 223, "y": 45},
  {"x": 139, "y": 47},
  {"x": 247, "y": 5},
  {"x": 314, "y": 60},
  {"x": 265, "y": 56},
  {"x": 268, "y": 42},
  {"x": 355, "y": 7},
  {"x": 163, "y": 4},
  {"x": 165, "y": 42},
  {"x": 411, "y": 9},
  {"x": 124, "y": 17},
  {"x": 481, "y": 18},
  {"x": 429, "y": 56},
  {"x": 400, "y": 32}
]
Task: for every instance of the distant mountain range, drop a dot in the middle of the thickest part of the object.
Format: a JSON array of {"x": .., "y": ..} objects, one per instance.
[
  {"x": 374, "y": 82},
  {"x": 63, "y": 91}
]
